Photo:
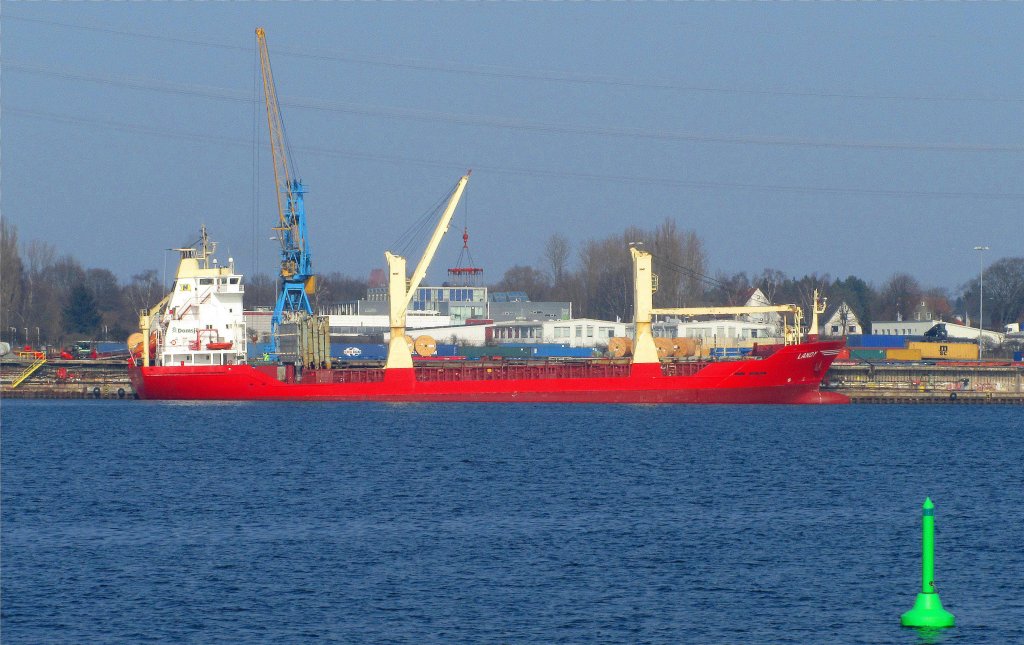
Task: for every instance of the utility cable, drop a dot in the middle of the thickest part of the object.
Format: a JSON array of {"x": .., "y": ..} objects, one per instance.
[
  {"x": 527, "y": 172},
  {"x": 557, "y": 76},
  {"x": 255, "y": 161},
  {"x": 504, "y": 122}
]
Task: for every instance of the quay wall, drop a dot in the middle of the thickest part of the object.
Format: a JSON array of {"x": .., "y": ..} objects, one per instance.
[
  {"x": 67, "y": 379},
  {"x": 895, "y": 382}
]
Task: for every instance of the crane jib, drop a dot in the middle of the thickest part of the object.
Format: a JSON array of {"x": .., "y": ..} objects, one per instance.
[{"x": 297, "y": 281}]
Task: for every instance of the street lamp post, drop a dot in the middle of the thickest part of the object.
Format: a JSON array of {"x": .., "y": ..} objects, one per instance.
[{"x": 981, "y": 294}]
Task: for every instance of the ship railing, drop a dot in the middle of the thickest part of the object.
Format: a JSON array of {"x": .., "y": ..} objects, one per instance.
[
  {"x": 507, "y": 371},
  {"x": 354, "y": 375}
]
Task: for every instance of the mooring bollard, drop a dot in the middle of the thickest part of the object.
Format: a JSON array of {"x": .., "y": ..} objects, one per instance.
[{"x": 927, "y": 610}]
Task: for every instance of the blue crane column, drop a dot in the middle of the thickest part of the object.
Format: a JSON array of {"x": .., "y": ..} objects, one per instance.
[{"x": 296, "y": 261}]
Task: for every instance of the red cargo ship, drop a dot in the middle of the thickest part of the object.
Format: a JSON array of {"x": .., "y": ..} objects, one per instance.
[
  {"x": 791, "y": 374},
  {"x": 197, "y": 339}
]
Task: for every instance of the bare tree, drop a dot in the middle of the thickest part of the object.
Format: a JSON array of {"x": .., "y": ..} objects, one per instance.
[
  {"x": 769, "y": 283},
  {"x": 805, "y": 288},
  {"x": 898, "y": 297},
  {"x": 697, "y": 261},
  {"x": 116, "y": 321},
  {"x": 1004, "y": 291},
  {"x": 334, "y": 288},
  {"x": 606, "y": 277},
  {"x": 731, "y": 290},
  {"x": 39, "y": 255},
  {"x": 937, "y": 301},
  {"x": 260, "y": 291},
  {"x": 143, "y": 292},
  {"x": 524, "y": 278},
  {"x": 668, "y": 258},
  {"x": 12, "y": 277},
  {"x": 39, "y": 258},
  {"x": 556, "y": 256}
]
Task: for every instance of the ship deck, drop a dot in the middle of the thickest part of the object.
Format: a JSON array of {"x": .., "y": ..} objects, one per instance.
[{"x": 449, "y": 372}]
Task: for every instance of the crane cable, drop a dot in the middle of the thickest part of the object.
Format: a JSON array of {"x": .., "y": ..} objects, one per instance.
[
  {"x": 255, "y": 161},
  {"x": 422, "y": 227}
]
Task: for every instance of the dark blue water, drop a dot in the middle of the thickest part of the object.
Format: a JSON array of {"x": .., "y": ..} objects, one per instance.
[{"x": 126, "y": 522}]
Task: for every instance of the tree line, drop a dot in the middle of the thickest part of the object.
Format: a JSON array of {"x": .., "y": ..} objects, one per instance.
[
  {"x": 599, "y": 282},
  {"x": 48, "y": 298},
  {"x": 52, "y": 299}
]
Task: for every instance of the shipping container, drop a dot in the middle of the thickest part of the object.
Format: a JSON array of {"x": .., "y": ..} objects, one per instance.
[
  {"x": 1018, "y": 356},
  {"x": 499, "y": 351},
  {"x": 359, "y": 351},
  {"x": 885, "y": 341},
  {"x": 861, "y": 354},
  {"x": 344, "y": 351},
  {"x": 903, "y": 354},
  {"x": 446, "y": 349},
  {"x": 552, "y": 350},
  {"x": 563, "y": 351},
  {"x": 729, "y": 352},
  {"x": 947, "y": 351},
  {"x": 110, "y": 348}
]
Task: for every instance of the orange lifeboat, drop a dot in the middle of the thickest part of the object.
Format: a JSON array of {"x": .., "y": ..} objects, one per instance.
[{"x": 218, "y": 345}]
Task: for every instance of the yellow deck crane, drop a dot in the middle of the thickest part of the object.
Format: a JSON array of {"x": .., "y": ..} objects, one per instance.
[
  {"x": 645, "y": 283},
  {"x": 401, "y": 289}
]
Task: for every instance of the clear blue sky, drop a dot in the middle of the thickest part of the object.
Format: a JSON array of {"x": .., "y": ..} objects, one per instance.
[{"x": 862, "y": 139}]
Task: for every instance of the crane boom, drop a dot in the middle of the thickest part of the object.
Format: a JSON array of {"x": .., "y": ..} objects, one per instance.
[
  {"x": 435, "y": 239},
  {"x": 402, "y": 290},
  {"x": 297, "y": 281},
  {"x": 282, "y": 171}
]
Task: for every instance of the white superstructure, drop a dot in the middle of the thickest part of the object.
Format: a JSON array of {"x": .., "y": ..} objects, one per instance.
[{"x": 202, "y": 322}]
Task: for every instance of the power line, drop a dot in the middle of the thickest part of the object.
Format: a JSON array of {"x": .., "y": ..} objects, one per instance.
[
  {"x": 502, "y": 122},
  {"x": 520, "y": 171},
  {"x": 556, "y": 76}
]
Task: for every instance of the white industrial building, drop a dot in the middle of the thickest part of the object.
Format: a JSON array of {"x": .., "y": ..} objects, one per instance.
[
  {"x": 375, "y": 324},
  {"x": 258, "y": 324},
  {"x": 721, "y": 332},
  {"x": 581, "y": 332},
  {"x": 919, "y": 327}
]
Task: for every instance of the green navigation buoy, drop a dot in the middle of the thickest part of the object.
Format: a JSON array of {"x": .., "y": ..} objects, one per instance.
[{"x": 927, "y": 611}]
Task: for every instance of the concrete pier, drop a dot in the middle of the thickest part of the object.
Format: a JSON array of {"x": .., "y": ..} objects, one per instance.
[
  {"x": 961, "y": 383},
  {"x": 67, "y": 379}
]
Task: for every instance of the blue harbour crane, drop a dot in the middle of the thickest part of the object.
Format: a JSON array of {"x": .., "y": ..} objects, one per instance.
[{"x": 297, "y": 280}]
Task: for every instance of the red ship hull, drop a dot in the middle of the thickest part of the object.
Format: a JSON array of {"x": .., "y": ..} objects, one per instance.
[{"x": 793, "y": 375}]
